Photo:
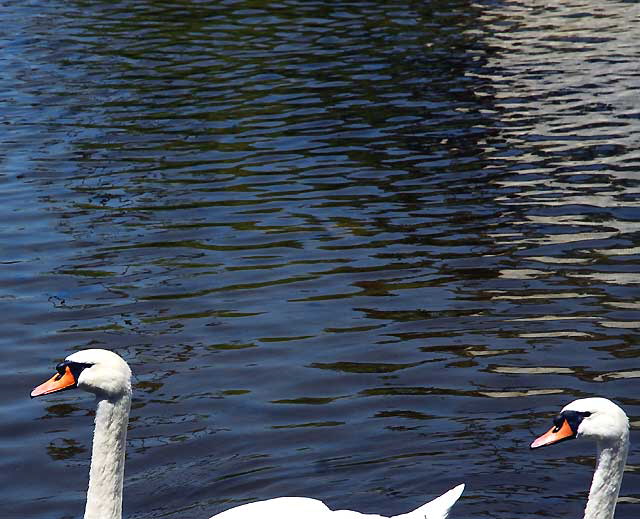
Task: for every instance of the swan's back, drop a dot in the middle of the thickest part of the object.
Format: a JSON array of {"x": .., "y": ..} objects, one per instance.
[
  {"x": 307, "y": 508},
  {"x": 277, "y": 508},
  {"x": 439, "y": 508}
]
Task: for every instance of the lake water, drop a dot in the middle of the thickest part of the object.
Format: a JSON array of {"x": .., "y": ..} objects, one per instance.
[{"x": 358, "y": 251}]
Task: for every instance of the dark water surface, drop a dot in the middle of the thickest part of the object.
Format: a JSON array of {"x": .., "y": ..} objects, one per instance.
[{"x": 360, "y": 251}]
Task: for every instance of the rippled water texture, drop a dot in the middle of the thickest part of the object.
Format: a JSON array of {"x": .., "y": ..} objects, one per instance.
[{"x": 358, "y": 251}]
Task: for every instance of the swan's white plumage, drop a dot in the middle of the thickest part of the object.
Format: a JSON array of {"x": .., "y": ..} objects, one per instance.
[
  {"x": 108, "y": 376},
  {"x": 607, "y": 422},
  {"x": 280, "y": 507},
  {"x": 608, "y": 425},
  {"x": 304, "y": 507}
]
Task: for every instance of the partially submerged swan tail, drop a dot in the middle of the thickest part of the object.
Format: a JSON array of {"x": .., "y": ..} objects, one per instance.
[{"x": 438, "y": 508}]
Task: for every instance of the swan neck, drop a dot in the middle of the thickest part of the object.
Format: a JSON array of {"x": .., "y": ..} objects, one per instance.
[
  {"x": 104, "y": 496},
  {"x": 607, "y": 478}
]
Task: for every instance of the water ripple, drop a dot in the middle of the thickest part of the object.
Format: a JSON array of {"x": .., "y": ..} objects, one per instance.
[{"x": 319, "y": 226}]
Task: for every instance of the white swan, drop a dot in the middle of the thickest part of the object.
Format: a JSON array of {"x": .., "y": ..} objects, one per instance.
[
  {"x": 106, "y": 375},
  {"x": 601, "y": 420}
]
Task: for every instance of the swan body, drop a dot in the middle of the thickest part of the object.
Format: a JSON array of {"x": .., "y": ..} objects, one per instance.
[
  {"x": 604, "y": 422},
  {"x": 108, "y": 377},
  {"x": 307, "y": 508}
]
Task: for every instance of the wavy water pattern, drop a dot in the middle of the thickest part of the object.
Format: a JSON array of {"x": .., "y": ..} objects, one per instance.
[{"x": 357, "y": 251}]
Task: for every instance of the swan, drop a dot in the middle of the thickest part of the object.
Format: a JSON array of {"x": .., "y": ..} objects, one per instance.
[
  {"x": 601, "y": 420},
  {"x": 108, "y": 377}
]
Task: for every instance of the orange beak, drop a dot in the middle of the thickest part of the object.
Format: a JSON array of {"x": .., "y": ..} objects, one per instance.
[
  {"x": 56, "y": 383},
  {"x": 554, "y": 435}
]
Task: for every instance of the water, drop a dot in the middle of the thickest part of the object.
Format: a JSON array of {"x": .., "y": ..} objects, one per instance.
[{"x": 358, "y": 251}]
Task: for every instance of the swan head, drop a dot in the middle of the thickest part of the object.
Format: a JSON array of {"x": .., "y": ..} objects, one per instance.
[
  {"x": 594, "y": 418},
  {"x": 101, "y": 372}
]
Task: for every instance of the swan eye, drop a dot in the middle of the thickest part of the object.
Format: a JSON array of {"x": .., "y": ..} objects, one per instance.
[
  {"x": 61, "y": 368},
  {"x": 558, "y": 420}
]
